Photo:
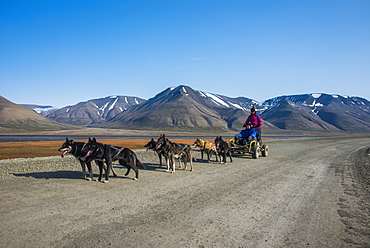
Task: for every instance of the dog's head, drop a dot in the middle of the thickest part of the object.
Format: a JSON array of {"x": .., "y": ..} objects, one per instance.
[
  {"x": 198, "y": 143},
  {"x": 66, "y": 147},
  {"x": 151, "y": 145},
  {"x": 218, "y": 141},
  {"x": 90, "y": 147},
  {"x": 162, "y": 141}
]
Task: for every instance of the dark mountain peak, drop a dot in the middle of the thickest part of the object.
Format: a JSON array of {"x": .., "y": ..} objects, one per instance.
[{"x": 173, "y": 93}]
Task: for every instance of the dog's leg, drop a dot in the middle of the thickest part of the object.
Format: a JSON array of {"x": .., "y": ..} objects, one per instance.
[
  {"x": 230, "y": 155},
  {"x": 191, "y": 161},
  {"x": 114, "y": 172},
  {"x": 136, "y": 173},
  {"x": 172, "y": 161},
  {"x": 180, "y": 165},
  {"x": 122, "y": 162},
  {"x": 101, "y": 165},
  {"x": 108, "y": 169},
  {"x": 129, "y": 165},
  {"x": 184, "y": 159},
  {"x": 173, "y": 164},
  {"x": 160, "y": 158},
  {"x": 132, "y": 165},
  {"x": 224, "y": 157},
  {"x": 168, "y": 163},
  {"x": 128, "y": 171},
  {"x": 209, "y": 155},
  {"x": 216, "y": 155},
  {"x": 83, "y": 166},
  {"x": 89, "y": 167}
]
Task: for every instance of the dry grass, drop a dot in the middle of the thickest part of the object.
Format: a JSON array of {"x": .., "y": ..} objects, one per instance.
[{"x": 31, "y": 149}]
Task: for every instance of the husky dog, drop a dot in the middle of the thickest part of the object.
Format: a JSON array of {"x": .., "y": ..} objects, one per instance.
[
  {"x": 108, "y": 153},
  {"x": 206, "y": 147},
  {"x": 75, "y": 148},
  {"x": 173, "y": 150},
  {"x": 223, "y": 149},
  {"x": 152, "y": 144}
]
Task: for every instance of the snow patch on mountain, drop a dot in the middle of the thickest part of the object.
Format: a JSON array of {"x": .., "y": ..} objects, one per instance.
[
  {"x": 316, "y": 95},
  {"x": 236, "y": 105},
  {"x": 217, "y": 100},
  {"x": 114, "y": 103},
  {"x": 184, "y": 90}
]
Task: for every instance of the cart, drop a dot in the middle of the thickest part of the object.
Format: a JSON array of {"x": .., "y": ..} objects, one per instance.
[{"x": 254, "y": 148}]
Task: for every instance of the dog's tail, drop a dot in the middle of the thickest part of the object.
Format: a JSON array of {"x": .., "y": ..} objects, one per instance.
[{"x": 139, "y": 164}]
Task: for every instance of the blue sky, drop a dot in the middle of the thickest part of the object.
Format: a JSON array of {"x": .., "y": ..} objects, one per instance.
[{"x": 61, "y": 52}]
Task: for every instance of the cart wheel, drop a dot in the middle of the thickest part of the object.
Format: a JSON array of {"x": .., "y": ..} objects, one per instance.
[
  {"x": 256, "y": 151},
  {"x": 265, "y": 151}
]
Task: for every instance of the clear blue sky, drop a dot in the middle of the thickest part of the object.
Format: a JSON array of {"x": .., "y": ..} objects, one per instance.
[{"x": 61, "y": 52}]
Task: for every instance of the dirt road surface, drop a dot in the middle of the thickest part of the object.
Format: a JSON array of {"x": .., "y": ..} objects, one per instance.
[{"x": 306, "y": 193}]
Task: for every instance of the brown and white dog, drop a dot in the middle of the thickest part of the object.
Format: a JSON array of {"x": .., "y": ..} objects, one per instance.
[{"x": 207, "y": 147}]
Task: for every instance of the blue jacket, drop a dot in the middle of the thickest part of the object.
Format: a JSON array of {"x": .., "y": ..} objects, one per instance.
[{"x": 245, "y": 133}]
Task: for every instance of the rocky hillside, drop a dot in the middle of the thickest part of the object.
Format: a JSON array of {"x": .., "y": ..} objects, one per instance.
[
  {"x": 16, "y": 118},
  {"x": 183, "y": 108}
]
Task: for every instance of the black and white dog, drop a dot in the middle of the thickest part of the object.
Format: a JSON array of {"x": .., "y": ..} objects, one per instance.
[
  {"x": 223, "y": 149},
  {"x": 173, "y": 150},
  {"x": 108, "y": 153},
  {"x": 75, "y": 148}
]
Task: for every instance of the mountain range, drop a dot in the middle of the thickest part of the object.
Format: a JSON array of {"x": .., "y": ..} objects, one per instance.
[
  {"x": 321, "y": 112},
  {"x": 94, "y": 111},
  {"x": 182, "y": 108}
]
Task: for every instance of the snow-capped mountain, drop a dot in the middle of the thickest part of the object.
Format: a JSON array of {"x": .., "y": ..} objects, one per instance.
[
  {"x": 322, "y": 112},
  {"x": 94, "y": 111},
  {"x": 183, "y": 108}
]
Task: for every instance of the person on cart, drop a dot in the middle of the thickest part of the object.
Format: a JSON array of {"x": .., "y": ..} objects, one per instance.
[
  {"x": 255, "y": 122},
  {"x": 246, "y": 136}
]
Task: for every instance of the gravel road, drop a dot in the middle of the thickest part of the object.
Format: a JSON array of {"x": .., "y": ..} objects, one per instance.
[{"x": 306, "y": 193}]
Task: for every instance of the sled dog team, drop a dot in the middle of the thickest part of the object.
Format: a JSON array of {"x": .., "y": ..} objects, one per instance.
[{"x": 104, "y": 155}]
